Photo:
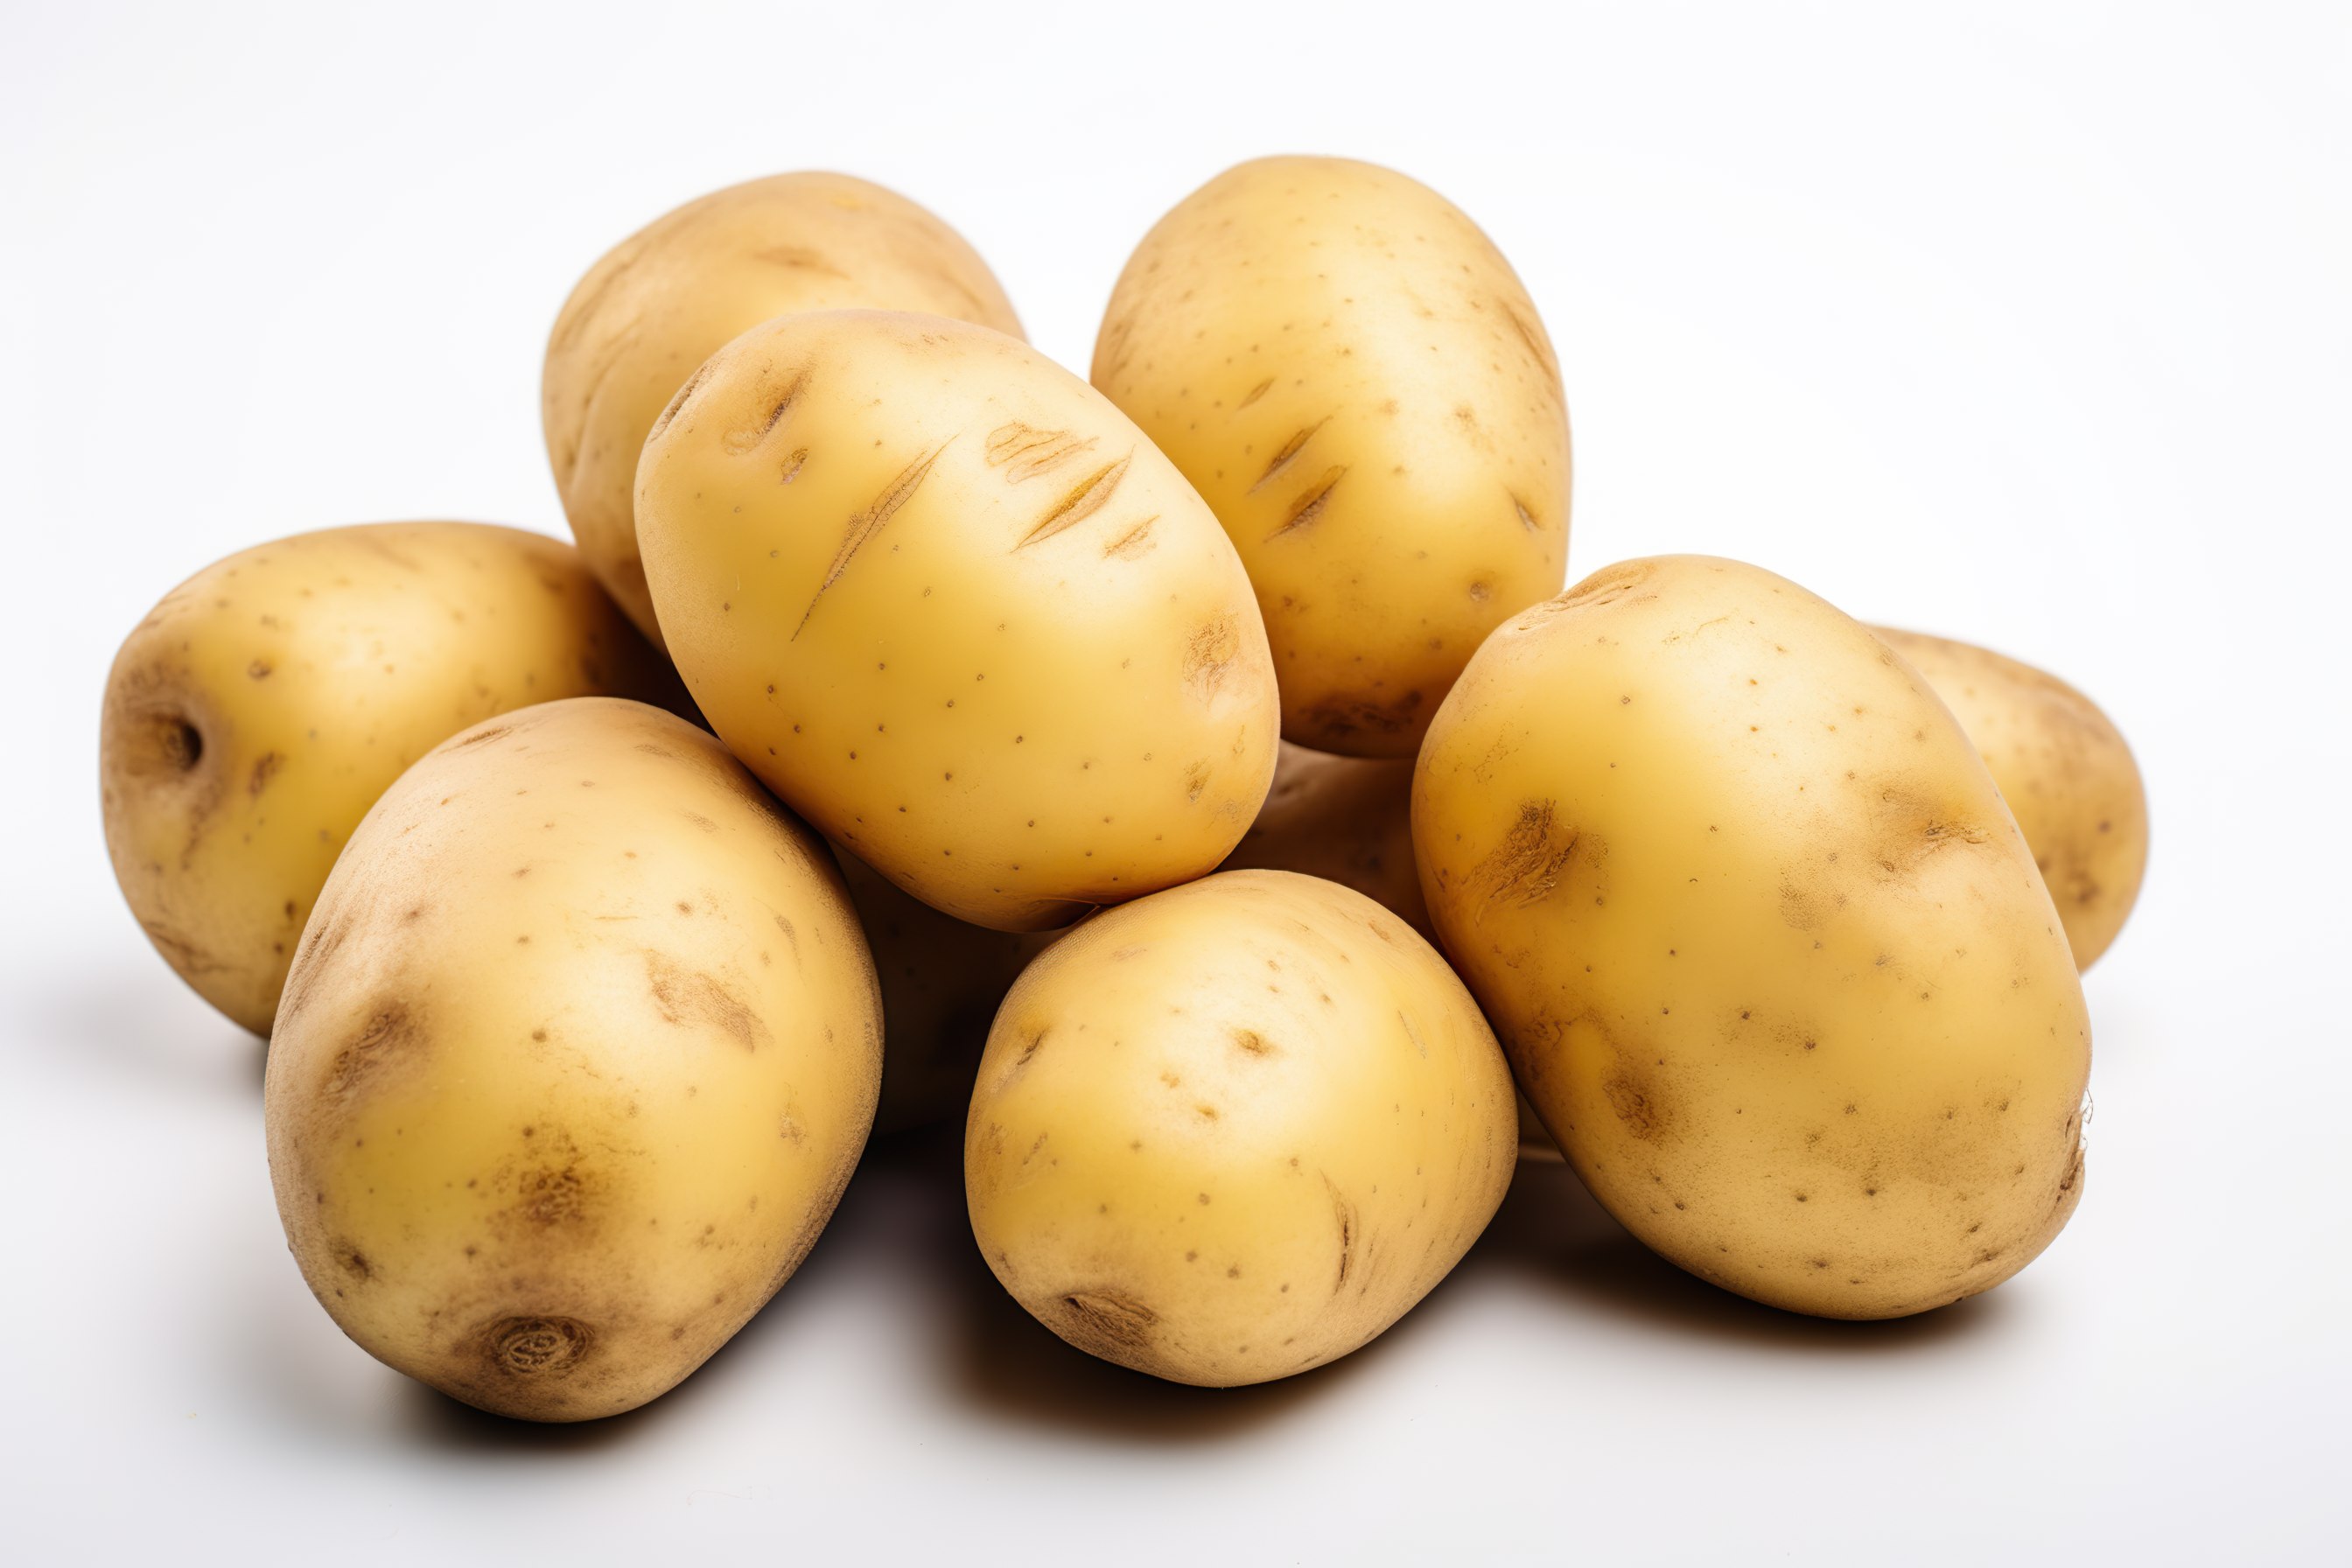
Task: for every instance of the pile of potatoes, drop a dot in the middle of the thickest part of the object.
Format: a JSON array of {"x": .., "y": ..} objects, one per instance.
[{"x": 1197, "y": 779}]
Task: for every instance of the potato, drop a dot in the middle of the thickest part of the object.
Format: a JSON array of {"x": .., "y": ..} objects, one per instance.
[
  {"x": 1767, "y": 953},
  {"x": 1346, "y": 819},
  {"x": 959, "y": 612},
  {"x": 942, "y": 979},
  {"x": 671, "y": 295},
  {"x": 2065, "y": 772},
  {"x": 579, "y": 1051},
  {"x": 256, "y": 714},
  {"x": 1353, "y": 377},
  {"x": 1236, "y": 1129}
]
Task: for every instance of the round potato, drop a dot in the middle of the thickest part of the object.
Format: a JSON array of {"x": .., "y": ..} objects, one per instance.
[
  {"x": 257, "y": 713},
  {"x": 581, "y": 1047},
  {"x": 1236, "y": 1129},
  {"x": 959, "y": 612},
  {"x": 673, "y": 294},
  {"x": 1353, "y": 376},
  {"x": 2063, "y": 768},
  {"x": 942, "y": 979},
  {"x": 1769, "y": 955}
]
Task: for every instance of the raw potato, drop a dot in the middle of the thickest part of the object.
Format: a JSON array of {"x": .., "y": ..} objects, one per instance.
[
  {"x": 1769, "y": 954},
  {"x": 675, "y": 292},
  {"x": 257, "y": 713},
  {"x": 1236, "y": 1129},
  {"x": 1346, "y": 819},
  {"x": 580, "y": 1050},
  {"x": 2065, "y": 770},
  {"x": 957, "y": 611},
  {"x": 1354, "y": 379},
  {"x": 942, "y": 979}
]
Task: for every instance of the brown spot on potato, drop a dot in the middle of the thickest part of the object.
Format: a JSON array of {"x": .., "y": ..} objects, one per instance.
[
  {"x": 265, "y": 768},
  {"x": 1532, "y": 861},
  {"x": 1209, "y": 653},
  {"x": 685, "y": 996},
  {"x": 390, "y": 1033},
  {"x": 1103, "y": 1322},
  {"x": 536, "y": 1347},
  {"x": 350, "y": 1259}
]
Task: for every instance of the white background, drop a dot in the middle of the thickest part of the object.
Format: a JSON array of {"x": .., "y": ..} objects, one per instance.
[{"x": 2027, "y": 326}]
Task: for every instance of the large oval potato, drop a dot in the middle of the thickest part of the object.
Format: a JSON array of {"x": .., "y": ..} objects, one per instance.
[
  {"x": 259, "y": 711},
  {"x": 674, "y": 293},
  {"x": 1769, "y": 955},
  {"x": 580, "y": 1050},
  {"x": 959, "y": 612},
  {"x": 942, "y": 979},
  {"x": 2063, "y": 768},
  {"x": 1353, "y": 377},
  {"x": 1236, "y": 1129}
]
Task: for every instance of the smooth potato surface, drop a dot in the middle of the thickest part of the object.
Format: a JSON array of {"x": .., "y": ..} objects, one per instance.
[
  {"x": 959, "y": 612},
  {"x": 675, "y": 292},
  {"x": 1236, "y": 1129},
  {"x": 1354, "y": 378},
  {"x": 2063, "y": 768},
  {"x": 1769, "y": 955},
  {"x": 580, "y": 1050},
  {"x": 259, "y": 711}
]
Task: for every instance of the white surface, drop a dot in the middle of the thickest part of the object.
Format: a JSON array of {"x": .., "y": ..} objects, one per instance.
[{"x": 2035, "y": 331}]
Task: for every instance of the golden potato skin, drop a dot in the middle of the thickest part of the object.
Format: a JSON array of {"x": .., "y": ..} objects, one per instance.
[
  {"x": 580, "y": 1050},
  {"x": 2063, "y": 768},
  {"x": 1355, "y": 380},
  {"x": 957, "y": 611},
  {"x": 1767, "y": 953},
  {"x": 259, "y": 711},
  {"x": 674, "y": 293},
  {"x": 942, "y": 979},
  {"x": 1236, "y": 1129}
]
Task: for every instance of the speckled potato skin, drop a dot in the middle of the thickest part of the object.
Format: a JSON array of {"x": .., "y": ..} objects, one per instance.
[
  {"x": 1768, "y": 956},
  {"x": 1236, "y": 1129},
  {"x": 674, "y": 293},
  {"x": 1354, "y": 378},
  {"x": 581, "y": 1047},
  {"x": 959, "y": 614},
  {"x": 256, "y": 714},
  {"x": 942, "y": 979},
  {"x": 2063, "y": 768}
]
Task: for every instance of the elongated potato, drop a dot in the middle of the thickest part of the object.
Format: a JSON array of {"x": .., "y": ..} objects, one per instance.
[
  {"x": 2064, "y": 770},
  {"x": 581, "y": 1047},
  {"x": 1353, "y": 377},
  {"x": 1236, "y": 1129},
  {"x": 257, "y": 713},
  {"x": 959, "y": 612},
  {"x": 672, "y": 294},
  {"x": 1768, "y": 952}
]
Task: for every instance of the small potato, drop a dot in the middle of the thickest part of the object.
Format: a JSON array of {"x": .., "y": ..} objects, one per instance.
[
  {"x": 580, "y": 1050},
  {"x": 942, "y": 979},
  {"x": 1236, "y": 1129},
  {"x": 671, "y": 295},
  {"x": 257, "y": 713},
  {"x": 2064, "y": 770},
  {"x": 959, "y": 612},
  {"x": 1354, "y": 379},
  {"x": 1768, "y": 952}
]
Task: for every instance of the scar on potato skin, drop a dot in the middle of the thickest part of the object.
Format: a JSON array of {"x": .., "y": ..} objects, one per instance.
[
  {"x": 1344, "y": 1213},
  {"x": 391, "y": 1032},
  {"x": 1134, "y": 541},
  {"x": 1089, "y": 495},
  {"x": 1209, "y": 652},
  {"x": 1532, "y": 859},
  {"x": 1309, "y": 504},
  {"x": 866, "y": 524},
  {"x": 693, "y": 384},
  {"x": 1103, "y": 1322},
  {"x": 535, "y": 1347},
  {"x": 683, "y": 996},
  {"x": 1026, "y": 452},
  {"x": 1288, "y": 454}
]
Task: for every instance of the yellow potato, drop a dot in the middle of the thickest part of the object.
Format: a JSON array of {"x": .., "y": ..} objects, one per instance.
[
  {"x": 1353, "y": 377},
  {"x": 2063, "y": 768},
  {"x": 257, "y": 713},
  {"x": 673, "y": 294},
  {"x": 1346, "y": 819},
  {"x": 942, "y": 979},
  {"x": 957, "y": 611},
  {"x": 580, "y": 1050},
  {"x": 1236, "y": 1129},
  {"x": 1767, "y": 953}
]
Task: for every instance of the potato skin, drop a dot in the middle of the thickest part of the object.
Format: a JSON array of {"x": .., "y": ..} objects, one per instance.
[
  {"x": 956, "y": 610},
  {"x": 2063, "y": 768},
  {"x": 674, "y": 293},
  {"x": 1767, "y": 953},
  {"x": 1345, "y": 819},
  {"x": 255, "y": 715},
  {"x": 1355, "y": 380},
  {"x": 1236, "y": 1129},
  {"x": 942, "y": 979},
  {"x": 580, "y": 1050}
]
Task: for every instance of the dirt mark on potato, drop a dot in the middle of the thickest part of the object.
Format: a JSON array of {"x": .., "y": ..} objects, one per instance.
[
  {"x": 1532, "y": 861},
  {"x": 687, "y": 996}
]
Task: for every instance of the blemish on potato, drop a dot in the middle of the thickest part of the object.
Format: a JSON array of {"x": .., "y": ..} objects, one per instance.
[
  {"x": 536, "y": 1347},
  {"x": 685, "y": 996}
]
